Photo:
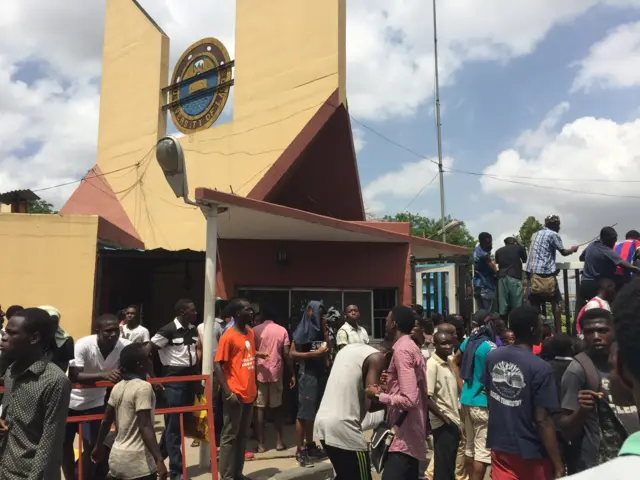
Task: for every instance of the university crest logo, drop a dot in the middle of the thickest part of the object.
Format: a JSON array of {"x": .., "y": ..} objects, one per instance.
[{"x": 200, "y": 85}]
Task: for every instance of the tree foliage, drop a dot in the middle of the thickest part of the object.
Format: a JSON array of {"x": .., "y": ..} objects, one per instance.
[
  {"x": 530, "y": 226},
  {"x": 429, "y": 228},
  {"x": 40, "y": 206}
]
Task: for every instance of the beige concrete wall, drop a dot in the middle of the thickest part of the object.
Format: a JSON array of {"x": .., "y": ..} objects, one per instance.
[
  {"x": 290, "y": 57},
  {"x": 50, "y": 260}
]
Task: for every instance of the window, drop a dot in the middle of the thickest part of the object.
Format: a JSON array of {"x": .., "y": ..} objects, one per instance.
[
  {"x": 383, "y": 301},
  {"x": 289, "y": 304}
]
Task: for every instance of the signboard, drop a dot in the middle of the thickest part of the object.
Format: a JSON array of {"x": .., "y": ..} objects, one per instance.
[{"x": 200, "y": 85}]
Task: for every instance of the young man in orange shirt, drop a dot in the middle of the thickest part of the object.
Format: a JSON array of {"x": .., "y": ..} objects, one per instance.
[{"x": 235, "y": 369}]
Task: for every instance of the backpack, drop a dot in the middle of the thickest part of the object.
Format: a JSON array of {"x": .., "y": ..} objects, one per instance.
[{"x": 612, "y": 432}]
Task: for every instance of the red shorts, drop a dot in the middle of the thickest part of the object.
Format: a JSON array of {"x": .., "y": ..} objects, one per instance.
[{"x": 506, "y": 466}]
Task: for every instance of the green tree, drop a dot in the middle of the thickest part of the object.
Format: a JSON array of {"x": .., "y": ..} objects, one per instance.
[
  {"x": 429, "y": 228},
  {"x": 40, "y": 206},
  {"x": 530, "y": 226}
]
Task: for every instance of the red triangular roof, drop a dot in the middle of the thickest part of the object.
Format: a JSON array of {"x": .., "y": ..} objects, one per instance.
[
  {"x": 318, "y": 172},
  {"x": 94, "y": 196}
]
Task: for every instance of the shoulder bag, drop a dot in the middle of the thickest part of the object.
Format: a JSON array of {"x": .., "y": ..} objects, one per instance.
[{"x": 382, "y": 439}]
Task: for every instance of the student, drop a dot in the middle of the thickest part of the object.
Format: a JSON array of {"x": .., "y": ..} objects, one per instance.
[
  {"x": 558, "y": 352},
  {"x": 628, "y": 251},
  {"x": 601, "y": 261},
  {"x": 406, "y": 392},
  {"x": 484, "y": 272},
  {"x": 509, "y": 259},
  {"x": 471, "y": 360},
  {"x": 442, "y": 389},
  {"x": 626, "y": 369},
  {"x": 235, "y": 370},
  {"x": 61, "y": 351},
  {"x": 97, "y": 357},
  {"x": 541, "y": 266},
  {"x": 508, "y": 337},
  {"x": 219, "y": 325},
  {"x": 522, "y": 398},
  {"x": 175, "y": 343},
  {"x": 310, "y": 349},
  {"x": 351, "y": 331},
  {"x": 273, "y": 340},
  {"x": 338, "y": 423},
  {"x": 580, "y": 421},
  {"x": 606, "y": 292},
  {"x": 135, "y": 453},
  {"x": 4, "y": 362},
  {"x": 34, "y": 407},
  {"x": 132, "y": 330}
]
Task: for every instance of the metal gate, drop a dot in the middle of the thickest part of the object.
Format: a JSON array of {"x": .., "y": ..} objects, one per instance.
[{"x": 443, "y": 285}]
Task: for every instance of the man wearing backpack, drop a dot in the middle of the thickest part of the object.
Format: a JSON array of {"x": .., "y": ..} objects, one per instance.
[
  {"x": 625, "y": 384},
  {"x": 604, "y": 296},
  {"x": 587, "y": 407}
]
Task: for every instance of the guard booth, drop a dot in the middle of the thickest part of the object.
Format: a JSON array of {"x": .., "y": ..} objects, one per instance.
[{"x": 443, "y": 285}]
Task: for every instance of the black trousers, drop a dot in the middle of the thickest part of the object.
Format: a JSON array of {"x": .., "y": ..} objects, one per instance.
[
  {"x": 349, "y": 464},
  {"x": 445, "y": 449},
  {"x": 400, "y": 466},
  {"x": 588, "y": 290}
]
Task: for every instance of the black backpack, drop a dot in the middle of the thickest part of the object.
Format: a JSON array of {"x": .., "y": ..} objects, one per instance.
[{"x": 612, "y": 432}]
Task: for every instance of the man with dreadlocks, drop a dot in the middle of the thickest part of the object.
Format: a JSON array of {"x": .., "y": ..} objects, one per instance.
[
  {"x": 541, "y": 267},
  {"x": 471, "y": 359}
]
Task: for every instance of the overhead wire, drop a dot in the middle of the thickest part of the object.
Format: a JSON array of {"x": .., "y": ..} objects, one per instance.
[
  {"x": 421, "y": 190},
  {"x": 507, "y": 178}
]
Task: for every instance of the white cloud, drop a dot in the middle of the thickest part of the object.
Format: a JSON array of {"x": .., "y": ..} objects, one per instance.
[
  {"x": 359, "y": 139},
  {"x": 584, "y": 150},
  {"x": 389, "y": 51},
  {"x": 613, "y": 61},
  {"x": 402, "y": 185},
  {"x": 532, "y": 141},
  {"x": 390, "y": 44}
]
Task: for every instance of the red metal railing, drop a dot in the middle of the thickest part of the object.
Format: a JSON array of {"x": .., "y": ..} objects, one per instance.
[{"x": 208, "y": 406}]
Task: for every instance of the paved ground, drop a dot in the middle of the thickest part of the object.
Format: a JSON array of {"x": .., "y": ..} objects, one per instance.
[
  {"x": 271, "y": 465},
  {"x": 265, "y": 466}
]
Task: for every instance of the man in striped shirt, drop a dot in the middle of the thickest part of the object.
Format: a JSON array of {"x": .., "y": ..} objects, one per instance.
[{"x": 406, "y": 371}]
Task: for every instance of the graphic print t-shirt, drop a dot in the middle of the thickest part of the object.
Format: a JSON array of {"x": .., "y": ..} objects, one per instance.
[
  {"x": 517, "y": 382},
  {"x": 238, "y": 352}
]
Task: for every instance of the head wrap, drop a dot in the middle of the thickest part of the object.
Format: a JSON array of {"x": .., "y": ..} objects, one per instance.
[
  {"x": 310, "y": 326},
  {"x": 61, "y": 336}
]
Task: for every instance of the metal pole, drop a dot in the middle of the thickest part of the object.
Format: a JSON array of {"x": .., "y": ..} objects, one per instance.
[
  {"x": 438, "y": 123},
  {"x": 211, "y": 214}
]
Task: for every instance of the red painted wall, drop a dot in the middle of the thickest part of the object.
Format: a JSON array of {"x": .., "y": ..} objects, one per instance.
[{"x": 313, "y": 264}]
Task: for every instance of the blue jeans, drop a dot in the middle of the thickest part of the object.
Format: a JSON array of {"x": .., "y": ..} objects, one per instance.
[{"x": 175, "y": 395}]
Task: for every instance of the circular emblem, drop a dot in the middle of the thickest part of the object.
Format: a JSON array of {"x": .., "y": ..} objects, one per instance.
[{"x": 198, "y": 94}]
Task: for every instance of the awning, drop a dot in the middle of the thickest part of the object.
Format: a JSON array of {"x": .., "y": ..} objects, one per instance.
[{"x": 245, "y": 218}]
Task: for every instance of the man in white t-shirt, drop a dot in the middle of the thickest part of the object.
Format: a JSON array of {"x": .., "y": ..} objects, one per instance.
[
  {"x": 338, "y": 423},
  {"x": 132, "y": 330},
  {"x": 351, "y": 332},
  {"x": 97, "y": 358}
]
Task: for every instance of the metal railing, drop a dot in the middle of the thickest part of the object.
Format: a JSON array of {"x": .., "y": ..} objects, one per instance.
[{"x": 208, "y": 406}]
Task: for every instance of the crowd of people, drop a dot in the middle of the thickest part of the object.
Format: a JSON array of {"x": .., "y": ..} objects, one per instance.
[
  {"x": 500, "y": 285},
  {"x": 504, "y": 391}
]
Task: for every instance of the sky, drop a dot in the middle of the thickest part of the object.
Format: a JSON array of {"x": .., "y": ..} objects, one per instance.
[{"x": 540, "y": 103}]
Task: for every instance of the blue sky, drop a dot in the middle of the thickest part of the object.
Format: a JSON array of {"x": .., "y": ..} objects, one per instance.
[
  {"x": 536, "y": 88},
  {"x": 488, "y": 106}
]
